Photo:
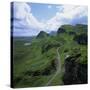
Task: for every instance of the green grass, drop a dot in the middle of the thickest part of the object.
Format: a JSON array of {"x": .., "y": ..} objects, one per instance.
[{"x": 39, "y": 55}]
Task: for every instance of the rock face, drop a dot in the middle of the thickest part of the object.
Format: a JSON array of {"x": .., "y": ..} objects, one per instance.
[
  {"x": 42, "y": 34},
  {"x": 75, "y": 73},
  {"x": 81, "y": 39},
  {"x": 61, "y": 30}
]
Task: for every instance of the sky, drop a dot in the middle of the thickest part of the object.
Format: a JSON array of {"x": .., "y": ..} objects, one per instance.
[{"x": 28, "y": 19}]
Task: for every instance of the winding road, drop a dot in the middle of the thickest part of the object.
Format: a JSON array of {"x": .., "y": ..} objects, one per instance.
[{"x": 58, "y": 68}]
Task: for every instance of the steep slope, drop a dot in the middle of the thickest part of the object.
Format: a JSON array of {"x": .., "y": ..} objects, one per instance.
[
  {"x": 61, "y": 30},
  {"x": 42, "y": 34},
  {"x": 75, "y": 70}
]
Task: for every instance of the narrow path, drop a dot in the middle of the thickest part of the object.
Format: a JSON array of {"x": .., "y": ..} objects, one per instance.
[{"x": 58, "y": 67}]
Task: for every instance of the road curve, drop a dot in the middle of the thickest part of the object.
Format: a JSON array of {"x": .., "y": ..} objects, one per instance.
[{"x": 58, "y": 68}]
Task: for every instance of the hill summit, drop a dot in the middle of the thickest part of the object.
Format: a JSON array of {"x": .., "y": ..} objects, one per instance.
[{"x": 42, "y": 34}]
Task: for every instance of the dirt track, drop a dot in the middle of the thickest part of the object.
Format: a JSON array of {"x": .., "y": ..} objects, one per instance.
[{"x": 58, "y": 68}]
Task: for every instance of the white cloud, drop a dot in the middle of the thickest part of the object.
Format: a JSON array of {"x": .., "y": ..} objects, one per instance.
[
  {"x": 59, "y": 7},
  {"x": 33, "y": 22},
  {"x": 71, "y": 11},
  {"x": 65, "y": 15},
  {"x": 22, "y": 11},
  {"x": 49, "y": 6}
]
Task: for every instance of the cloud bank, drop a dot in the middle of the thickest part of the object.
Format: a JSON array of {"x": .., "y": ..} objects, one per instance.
[{"x": 25, "y": 22}]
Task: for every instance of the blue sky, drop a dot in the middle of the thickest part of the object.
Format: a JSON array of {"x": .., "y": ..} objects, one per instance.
[
  {"x": 43, "y": 12},
  {"x": 31, "y": 18}
]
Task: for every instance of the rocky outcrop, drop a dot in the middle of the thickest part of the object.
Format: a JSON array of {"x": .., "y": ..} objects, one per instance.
[
  {"x": 42, "y": 34},
  {"x": 81, "y": 39},
  {"x": 75, "y": 72},
  {"x": 61, "y": 30}
]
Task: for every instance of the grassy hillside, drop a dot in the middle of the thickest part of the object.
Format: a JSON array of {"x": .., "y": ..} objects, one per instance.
[{"x": 36, "y": 63}]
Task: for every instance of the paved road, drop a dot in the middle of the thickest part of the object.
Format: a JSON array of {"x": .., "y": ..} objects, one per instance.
[{"x": 58, "y": 68}]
